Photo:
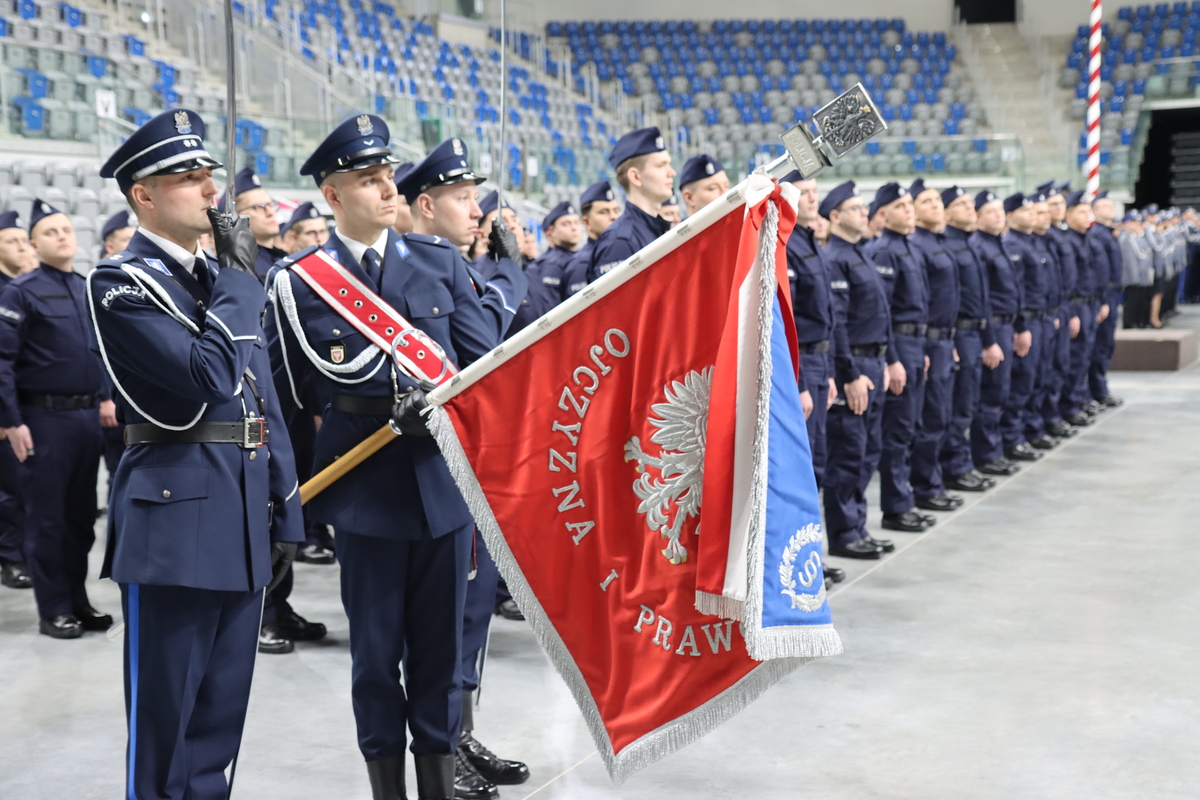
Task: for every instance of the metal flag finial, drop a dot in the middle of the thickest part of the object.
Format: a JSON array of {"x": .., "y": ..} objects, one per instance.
[{"x": 842, "y": 125}]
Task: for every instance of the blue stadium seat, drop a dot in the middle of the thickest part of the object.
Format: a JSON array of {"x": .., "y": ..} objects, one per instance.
[
  {"x": 980, "y": 145},
  {"x": 888, "y": 111},
  {"x": 937, "y": 162},
  {"x": 950, "y": 127},
  {"x": 918, "y": 162},
  {"x": 910, "y": 147}
]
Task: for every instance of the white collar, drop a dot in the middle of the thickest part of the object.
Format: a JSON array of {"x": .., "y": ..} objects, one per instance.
[
  {"x": 358, "y": 249},
  {"x": 177, "y": 253}
]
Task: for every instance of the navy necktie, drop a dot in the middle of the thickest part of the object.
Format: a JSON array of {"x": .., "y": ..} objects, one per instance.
[
  {"x": 371, "y": 266},
  {"x": 203, "y": 274}
]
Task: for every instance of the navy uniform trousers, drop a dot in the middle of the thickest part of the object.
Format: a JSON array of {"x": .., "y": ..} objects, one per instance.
[
  {"x": 936, "y": 413},
  {"x": 853, "y": 442},
  {"x": 1035, "y": 419},
  {"x": 12, "y": 506},
  {"x": 482, "y": 593},
  {"x": 1077, "y": 392},
  {"x": 1102, "y": 353},
  {"x": 59, "y": 492},
  {"x": 815, "y": 371},
  {"x": 1058, "y": 367},
  {"x": 901, "y": 418},
  {"x": 1023, "y": 386},
  {"x": 986, "y": 443},
  {"x": 956, "y": 446}
]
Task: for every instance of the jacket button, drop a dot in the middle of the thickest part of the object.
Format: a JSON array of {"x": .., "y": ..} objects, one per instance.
[
  {"x": 435, "y": 309},
  {"x": 166, "y": 493},
  {"x": 336, "y": 332},
  {"x": 253, "y": 454}
]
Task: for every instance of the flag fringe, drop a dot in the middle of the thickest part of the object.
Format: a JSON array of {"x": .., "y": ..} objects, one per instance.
[
  {"x": 793, "y": 641},
  {"x": 657, "y": 744},
  {"x": 718, "y": 605}
]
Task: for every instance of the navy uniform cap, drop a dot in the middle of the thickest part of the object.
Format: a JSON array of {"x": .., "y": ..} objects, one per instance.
[
  {"x": 916, "y": 187},
  {"x": 641, "y": 142},
  {"x": 1075, "y": 199},
  {"x": 491, "y": 202},
  {"x": 1049, "y": 189},
  {"x": 1132, "y": 216},
  {"x": 698, "y": 168},
  {"x": 598, "y": 192},
  {"x": 41, "y": 210},
  {"x": 837, "y": 195},
  {"x": 1064, "y": 188},
  {"x": 952, "y": 194},
  {"x": 564, "y": 209},
  {"x": 402, "y": 171},
  {"x": 1152, "y": 208},
  {"x": 1015, "y": 201},
  {"x": 303, "y": 211},
  {"x": 1036, "y": 198},
  {"x": 358, "y": 143},
  {"x": 887, "y": 194},
  {"x": 446, "y": 165},
  {"x": 983, "y": 198},
  {"x": 671, "y": 201},
  {"x": 792, "y": 177},
  {"x": 245, "y": 181},
  {"x": 119, "y": 220},
  {"x": 9, "y": 220},
  {"x": 1101, "y": 195},
  {"x": 167, "y": 144}
]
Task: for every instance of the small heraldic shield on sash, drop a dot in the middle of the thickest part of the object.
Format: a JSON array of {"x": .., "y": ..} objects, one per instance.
[{"x": 337, "y": 353}]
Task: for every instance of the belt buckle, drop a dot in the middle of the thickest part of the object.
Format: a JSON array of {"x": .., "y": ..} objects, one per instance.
[{"x": 254, "y": 433}]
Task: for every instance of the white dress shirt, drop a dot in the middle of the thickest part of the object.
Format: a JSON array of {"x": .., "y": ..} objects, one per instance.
[
  {"x": 358, "y": 249},
  {"x": 177, "y": 253}
]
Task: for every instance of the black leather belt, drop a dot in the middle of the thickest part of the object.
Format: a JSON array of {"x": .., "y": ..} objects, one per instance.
[
  {"x": 57, "y": 402},
  {"x": 363, "y": 406},
  {"x": 1033, "y": 313},
  {"x": 1078, "y": 298},
  {"x": 249, "y": 433},
  {"x": 1003, "y": 319},
  {"x": 970, "y": 324},
  {"x": 815, "y": 348},
  {"x": 939, "y": 333},
  {"x": 908, "y": 329},
  {"x": 1053, "y": 312},
  {"x": 872, "y": 350}
]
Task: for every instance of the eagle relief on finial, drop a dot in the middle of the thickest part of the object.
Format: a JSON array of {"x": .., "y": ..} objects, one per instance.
[{"x": 682, "y": 424}]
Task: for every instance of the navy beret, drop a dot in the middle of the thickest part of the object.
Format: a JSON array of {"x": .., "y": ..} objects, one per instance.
[
  {"x": 792, "y": 177},
  {"x": 119, "y": 220},
  {"x": 1101, "y": 195},
  {"x": 952, "y": 194},
  {"x": 597, "y": 193},
  {"x": 167, "y": 144},
  {"x": 1015, "y": 201},
  {"x": 446, "y": 165},
  {"x": 489, "y": 203},
  {"x": 636, "y": 143},
  {"x": 357, "y": 143},
  {"x": 983, "y": 198},
  {"x": 402, "y": 171},
  {"x": 1064, "y": 188},
  {"x": 887, "y": 194},
  {"x": 9, "y": 220},
  {"x": 671, "y": 201},
  {"x": 916, "y": 187},
  {"x": 699, "y": 167},
  {"x": 1048, "y": 189},
  {"x": 41, "y": 210},
  {"x": 303, "y": 212},
  {"x": 246, "y": 180},
  {"x": 563, "y": 209},
  {"x": 1076, "y": 199},
  {"x": 837, "y": 195},
  {"x": 1036, "y": 198}
]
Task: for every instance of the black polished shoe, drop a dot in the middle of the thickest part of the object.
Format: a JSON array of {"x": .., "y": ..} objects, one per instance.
[
  {"x": 14, "y": 576},
  {"x": 468, "y": 783},
  {"x": 1092, "y": 408},
  {"x": 315, "y": 554},
  {"x": 508, "y": 609},
  {"x": 1110, "y": 401},
  {"x": 93, "y": 620},
  {"x": 970, "y": 482},
  {"x": 1022, "y": 452},
  {"x": 909, "y": 522},
  {"x": 1079, "y": 419},
  {"x": 387, "y": 778},
  {"x": 859, "y": 548},
  {"x": 495, "y": 769},
  {"x": 63, "y": 626},
  {"x": 298, "y": 629},
  {"x": 1044, "y": 443},
  {"x": 1000, "y": 467},
  {"x": 1061, "y": 430},
  {"x": 883, "y": 544},
  {"x": 941, "y": 502},
  {"x": 834, "y": 574},
  {"x": 272, "y": 642}
]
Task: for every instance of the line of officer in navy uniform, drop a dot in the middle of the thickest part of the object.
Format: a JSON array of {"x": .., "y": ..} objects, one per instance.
[
  {"x": 251, "y": 200},
  {"x": 1063, "y": 253},
  {"x": 204, "y": 510},
  {"x": 599, "y": 209},
  {"x": 404, "y": 534},
  {"x": 548, "y": 272},
  {"x": 703, "y": 179},
  {"x": 16, "y": 257}
]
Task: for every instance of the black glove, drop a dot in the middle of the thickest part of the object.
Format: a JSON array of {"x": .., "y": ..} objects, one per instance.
[
  {"x": 235, "y": 244},
  {"x": 407, "y": 415},
  {"x": 502, "y": 243},
  {"x": 282, "y": 556}
]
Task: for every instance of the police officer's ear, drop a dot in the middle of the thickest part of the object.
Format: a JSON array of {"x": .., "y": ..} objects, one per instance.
[
  {"x": 139, "y": 194},
  {"x": 424, "y": 205},
  {"x": 688, "y": 195},
  {"x": 331, "y": 193}
]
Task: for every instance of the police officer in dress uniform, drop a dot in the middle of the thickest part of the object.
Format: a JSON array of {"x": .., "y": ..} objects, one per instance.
[
  {"x": 53, "y": 398},
  {"x": 1030, "y": 267},
  {"x": 1104, "y": 234},
  {"x": 535, "y": 302},
  {"x": 907, "y": 289},
  {"x": 644, "y": 173},
  {"x": 1008, "y": 330},
  {"x": 1057, "y": 238},
  {"x": 548, "y": 271},
  {"x": 15, "y": 253},
  {"x": 703, "y": 180},
  {"x": 116, "y": 233},
  {"x": 1036, "y": 432},
  {"x": 974, "y": 343},
  {"x": 812, "y": 305},
  {"x": 253, "y": 201},
  {"x": 205, "y": 507},
  {"x": 862, "y": 331},
  {"x": 306, "y": 228},
  {"x": 941, "y": 274},
  {"x": 1075, "y": 402},
  {"x": 1137, "y": 266},
  {"x": 599, "y": 209},
  {"x": 404, "y": 534}
]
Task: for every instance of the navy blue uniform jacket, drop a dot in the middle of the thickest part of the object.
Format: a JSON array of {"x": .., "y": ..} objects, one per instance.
[
  {"x": 194, "y": 515},
  {"x": 632, "y": 231}
]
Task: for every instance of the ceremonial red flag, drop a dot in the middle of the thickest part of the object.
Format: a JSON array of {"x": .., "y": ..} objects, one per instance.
[{"x": 580, "y": 448}]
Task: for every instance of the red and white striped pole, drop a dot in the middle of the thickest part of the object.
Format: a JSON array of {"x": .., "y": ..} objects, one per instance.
[{"x": 1092, "y": 165}]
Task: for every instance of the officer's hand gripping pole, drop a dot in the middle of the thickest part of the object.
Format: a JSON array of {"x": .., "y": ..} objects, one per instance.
[{"x": 848, "y": 121}]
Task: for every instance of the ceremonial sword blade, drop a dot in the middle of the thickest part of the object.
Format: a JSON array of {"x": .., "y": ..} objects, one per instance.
[
  {"x": 230, "y": 110},
  {"x": 842, "y": 125}
]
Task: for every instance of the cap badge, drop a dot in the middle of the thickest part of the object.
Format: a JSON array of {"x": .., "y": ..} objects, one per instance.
[
  {"x": 365, "y": 128},
  {"x": 458, "y": 147},
  {"x": 183, "y": 122},
  {"x": 313, "y": 213},
  {"x": 608, "y": 194},
  {"x": 658, "y": 142},
  {"x": 709, "y": 168},
  {"x": 254, "y": 179}
]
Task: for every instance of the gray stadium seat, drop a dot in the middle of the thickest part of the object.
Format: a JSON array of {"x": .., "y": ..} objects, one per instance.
[
  {"x": 902, "y": 81},
  {"x": 817, "y": 53},
  {"x": 17, "y": 198},
  {"x": 956, "y": 163},
  {"x": 85, "y": 203},
  {"x": 6, "y": 173},
  {"x": 85, "y": 234},
  {"x": 750, "y": 83}
]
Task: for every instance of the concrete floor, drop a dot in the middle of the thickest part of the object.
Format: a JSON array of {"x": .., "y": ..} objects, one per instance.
[{"x": 1039, "y": 643}]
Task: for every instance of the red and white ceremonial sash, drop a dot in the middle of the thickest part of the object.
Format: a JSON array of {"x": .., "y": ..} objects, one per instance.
[{"x": 415, "y": 352}]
